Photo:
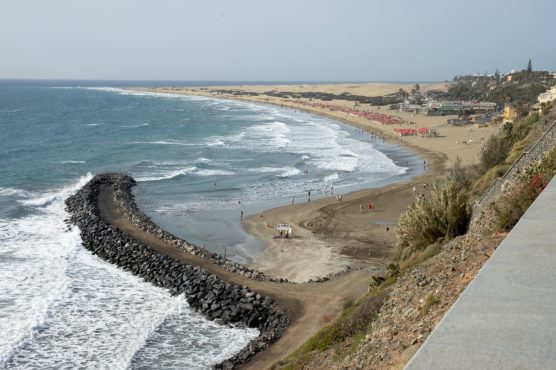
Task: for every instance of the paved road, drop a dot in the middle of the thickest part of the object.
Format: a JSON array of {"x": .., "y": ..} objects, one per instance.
[{"x": 506, "y": 317}]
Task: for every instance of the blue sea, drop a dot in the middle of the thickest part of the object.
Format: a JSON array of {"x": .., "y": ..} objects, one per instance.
[{"x": 198, "y": 161}]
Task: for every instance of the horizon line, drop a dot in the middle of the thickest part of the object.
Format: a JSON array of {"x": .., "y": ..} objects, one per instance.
[{"x": 224, "y": 81}]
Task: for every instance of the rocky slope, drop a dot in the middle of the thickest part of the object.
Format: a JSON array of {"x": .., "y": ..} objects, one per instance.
[{"x": 416, "y": 303}]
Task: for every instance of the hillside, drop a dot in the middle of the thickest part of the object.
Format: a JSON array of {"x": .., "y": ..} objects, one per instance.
[{"x": 386, "y": 327}]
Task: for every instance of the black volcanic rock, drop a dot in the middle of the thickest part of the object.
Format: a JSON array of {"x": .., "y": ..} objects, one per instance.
[{"x": 216, "y": 299}]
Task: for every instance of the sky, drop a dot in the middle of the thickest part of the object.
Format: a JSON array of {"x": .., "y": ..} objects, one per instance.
[{"x": 278, "y": 40}]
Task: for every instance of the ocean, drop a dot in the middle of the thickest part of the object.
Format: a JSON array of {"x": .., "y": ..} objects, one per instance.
[{"x": 198, "y": 161}]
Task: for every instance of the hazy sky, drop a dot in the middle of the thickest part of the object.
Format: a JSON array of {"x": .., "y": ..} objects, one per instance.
[{"x": 320, "y": 40}]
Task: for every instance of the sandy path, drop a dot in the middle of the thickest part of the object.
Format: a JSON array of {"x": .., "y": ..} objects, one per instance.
[{"x": 309, "y": 305}]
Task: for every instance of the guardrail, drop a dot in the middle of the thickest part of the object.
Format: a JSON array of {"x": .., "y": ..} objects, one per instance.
[{"x": 546, "y": 142}]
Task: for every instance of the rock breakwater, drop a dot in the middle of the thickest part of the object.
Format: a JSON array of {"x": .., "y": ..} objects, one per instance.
[
  {"x": 206, "y": 293},
  {"x": 125, "y": 201}
]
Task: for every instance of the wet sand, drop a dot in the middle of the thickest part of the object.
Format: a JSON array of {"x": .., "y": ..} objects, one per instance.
[{"x": 329, "y": 235}]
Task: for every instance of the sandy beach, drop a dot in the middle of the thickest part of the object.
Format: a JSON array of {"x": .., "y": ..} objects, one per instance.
[{"x": 329, "y": 235}]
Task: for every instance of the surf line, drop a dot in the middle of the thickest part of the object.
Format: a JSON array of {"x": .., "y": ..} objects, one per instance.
[{"x": 218, "y": 293}]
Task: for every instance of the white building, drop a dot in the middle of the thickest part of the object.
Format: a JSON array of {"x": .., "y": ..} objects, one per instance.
[{"x": 548, "y": 96}]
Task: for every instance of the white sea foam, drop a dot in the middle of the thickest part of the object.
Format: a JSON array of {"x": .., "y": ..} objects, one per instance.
[
  {"x": 320, "y": 144},
  {"x": 35, "y": 253},
  {"x": 268, "y": 137},
  {"x": 15, "y": 192},
  {"x": 163, "y": 142},
  {"x": 135, "y": 126},
  {"x": 10, "y": 111},
  {"x": 235, "y": 138},
  {"x": 209, "y": 172},
  {"x": 331, "y": 178},
  {"x": 166, "y": 175},
  {"x": 154, "y": 164},
  {"x": 93, "y": 124},
  {"x": 62, "y": 307},
  {"x": 72, "y": 162},
  {"x": 265, "y": 169},
  {"x": 192, "y": 170},
  {"x": 147, "y": 93},
  {"x": 282, "y": 172},
  {"x": 289, "y": 172},
  {"x": 215, "y": 143}
]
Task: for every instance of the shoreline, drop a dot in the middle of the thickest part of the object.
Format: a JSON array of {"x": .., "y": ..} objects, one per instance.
[
  {"x": 329, "y": 236},
  {"x": 286, "y": 314},
  {"x": 452, "y": 141},
  {"x": 312, "y": 252}
]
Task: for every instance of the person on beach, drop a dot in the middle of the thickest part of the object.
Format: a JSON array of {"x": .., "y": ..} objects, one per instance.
[
  {"x": 414, "y": 189},
  {"x": 241, "y": 215},
  {"x": 331, "y": 189},
  {"x": 361, "y": 208},
  {"x": 293, "y": 200}
]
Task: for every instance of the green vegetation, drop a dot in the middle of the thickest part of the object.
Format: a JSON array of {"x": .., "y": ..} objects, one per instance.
[
  {"x": 522, "y": 90},
  {"x": 446, "y": 214},
  {"x": 524, "y": 191},
  {"x": 443, "y": 216},
  {"x": 494, "y": 152},
  {"x": 497, "y": 148},
  {"x": 353, "y": 324},
  {"x": 482, "y": 183},
  {"x": 428, "y": 223},
  {"x": 389, "y": 278},
  {"x": 372, "y": 100},
  {"x": 460, "y": 175},
  {"x": 418, "y": 257},
  {"x": 500, "y": 152}
]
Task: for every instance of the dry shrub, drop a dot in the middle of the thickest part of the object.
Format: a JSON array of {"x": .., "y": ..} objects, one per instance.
[
  {"x": 419, "y": 257},
  {"x": 354, "y": 320},
  {"x": 442, "y": 217}
]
